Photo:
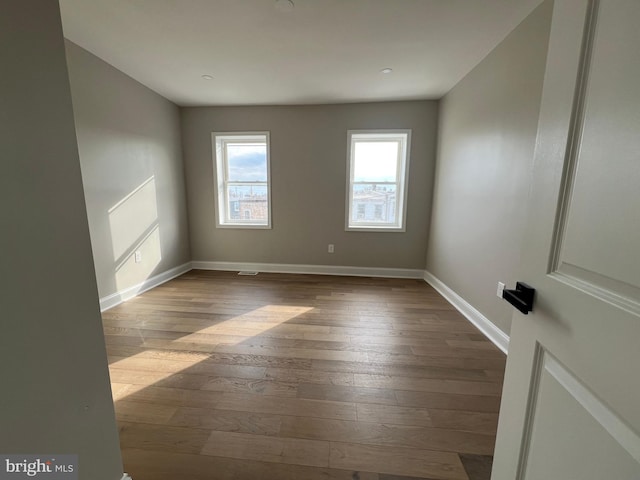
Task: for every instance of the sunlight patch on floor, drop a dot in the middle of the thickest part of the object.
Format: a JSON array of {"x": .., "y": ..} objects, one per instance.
[{"x": 259, "y": 321}]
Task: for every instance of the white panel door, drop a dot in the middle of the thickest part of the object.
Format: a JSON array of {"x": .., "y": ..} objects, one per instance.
[{"x": 571, "y": 402}]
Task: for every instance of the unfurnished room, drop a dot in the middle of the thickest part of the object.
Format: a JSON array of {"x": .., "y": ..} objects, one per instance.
[{"x": 320, "y": 239}]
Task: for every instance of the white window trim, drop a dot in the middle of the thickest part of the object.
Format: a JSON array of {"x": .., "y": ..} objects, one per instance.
[
  {"x": 217, "y": 138},
  {"x": 403, "y": 183}
]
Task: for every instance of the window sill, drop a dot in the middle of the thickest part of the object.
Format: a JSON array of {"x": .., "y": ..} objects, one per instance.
[
  {"x": 243, "y": 226},
  {"x": 376, "y": 229}
]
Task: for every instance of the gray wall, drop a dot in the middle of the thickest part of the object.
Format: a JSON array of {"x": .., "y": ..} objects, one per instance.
[
  {"x": 128, "y": 135},
  {"x": 53, "y": 369},
  {"x": 487, "y": 131},
  {"x": 308, "y": 174}
]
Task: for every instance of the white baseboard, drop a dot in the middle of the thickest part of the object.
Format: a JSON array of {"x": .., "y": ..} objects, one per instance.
[
  {"x": 310, "y": 269},
  {"x": 126, "y": 477},
  {"x": 117, "y": 298},
  {"x": 493, "y": 333}
]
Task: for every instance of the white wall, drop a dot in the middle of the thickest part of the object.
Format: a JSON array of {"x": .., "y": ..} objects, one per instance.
[
  {"x": 487, "y": 131},
  {"x": 55, "y": 395},
  {"x": 132, "y": 170}
]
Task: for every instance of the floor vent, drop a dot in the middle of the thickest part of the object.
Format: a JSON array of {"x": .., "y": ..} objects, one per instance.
[{"x": 247, "y": 273}]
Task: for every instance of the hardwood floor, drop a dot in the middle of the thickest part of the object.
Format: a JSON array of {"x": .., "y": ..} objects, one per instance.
[{"x": 220, "y": 376}]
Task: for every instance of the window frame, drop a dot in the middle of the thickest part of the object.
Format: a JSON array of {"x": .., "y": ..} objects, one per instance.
[
  {"x": 401, "y": 183},
  {"x": 221, "y": 182}
]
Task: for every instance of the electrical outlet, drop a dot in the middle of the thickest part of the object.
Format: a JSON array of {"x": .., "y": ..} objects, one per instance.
[
  {"x": 500, "y": 289},
  {"x": 331, "y": 248},
  {"x": 138, "y": 256}
]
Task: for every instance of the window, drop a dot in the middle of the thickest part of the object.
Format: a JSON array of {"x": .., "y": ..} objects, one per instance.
[
  {"x": 243, "y": 189},
  {"x": 377, "y": 172}
]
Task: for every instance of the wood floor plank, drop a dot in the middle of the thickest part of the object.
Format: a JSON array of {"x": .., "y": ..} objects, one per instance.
[
  {"x": 244, "y": 385},
  {"x": 403, "y": 461},
  {"x": 437, "y": 439},
  {"x": 288, "y": 352},
  {"x": 416, "y": 371},
  {"x": 128, "y": 411},
  {"x": 235, "y": 334},
  {"x": 401, "y": 340},
  {"x": 385, "y": 476},
  {"x": 341, "y": 393},
  {"x": 427, "y": 384},
  {"x": 202, "y": 367},
  {"x": 309, "y": 376},
  {"x": 470, "y": 403},
  {"x": 393, "y": 415},
  {"x": 347, "y": 346},
  {"x": 268, "y": 449},
  {"x": 449, "y": 351},
  {"x": 159, "y": 379},
  {"x": 288, "y": 406},
  {"x": 448, "y": 360},
  {"x": 225, "y": 420},
  {"x": 197, "y": 357},
  {"x": 162, "y": 437},
  {"x": 465, "y": 421},
  {"x": 475, "y": 344},
  {"x": 168, "y": 396}
]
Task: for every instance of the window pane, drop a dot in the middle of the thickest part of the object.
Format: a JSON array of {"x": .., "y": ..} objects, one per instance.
[
  {"x": 375, "y": 161},
  {"x": 247, "y": 162},
  {"x": 248, "y": 203},
  {"x": 373, "y": 203}
]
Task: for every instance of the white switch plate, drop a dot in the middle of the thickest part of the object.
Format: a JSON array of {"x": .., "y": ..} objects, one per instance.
[
  {"x": 500, "y": 289},
  {"x": 138, "y": 256},
  {"x": 331, "y": 248}
]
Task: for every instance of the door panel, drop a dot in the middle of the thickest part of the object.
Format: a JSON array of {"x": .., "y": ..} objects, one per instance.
[
  {"x": 603, "y": 185},
  {"x": 597, "y": 437},
  {"x": 580, "y": 345}
]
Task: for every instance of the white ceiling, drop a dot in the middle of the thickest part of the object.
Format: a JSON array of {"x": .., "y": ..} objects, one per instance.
[{"x": 323, "y": 51}]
